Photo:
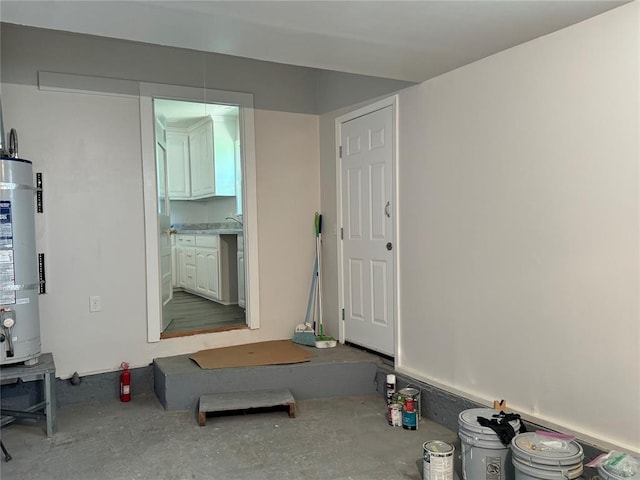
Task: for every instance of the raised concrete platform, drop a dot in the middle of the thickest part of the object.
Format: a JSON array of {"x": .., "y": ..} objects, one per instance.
[{"x": 333, "y": 372}]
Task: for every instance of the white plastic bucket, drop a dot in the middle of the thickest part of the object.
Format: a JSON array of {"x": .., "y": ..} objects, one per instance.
[
  {"x": 533, "y": 463},
  {"x": 605, "y": 474},
  {"x": 484, "y": 457}
]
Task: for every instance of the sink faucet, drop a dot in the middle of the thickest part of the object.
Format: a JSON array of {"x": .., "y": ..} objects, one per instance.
[{"x": 234, "y": 219}]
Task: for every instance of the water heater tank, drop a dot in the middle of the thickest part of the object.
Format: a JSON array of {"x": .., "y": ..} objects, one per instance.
[{"x": 19, "y": 279}]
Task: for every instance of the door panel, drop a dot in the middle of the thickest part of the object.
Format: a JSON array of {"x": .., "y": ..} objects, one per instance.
[
  {"x": 164, "y": 240},
  {"x": 213, "y": 270},
  {"x": 354, "y": 203},
  {"x": 355, "y": 286},
  {"x": 378, "y": 200},
  {"x": 368, "y": 230},
  {"x": 379, "y": 292}
]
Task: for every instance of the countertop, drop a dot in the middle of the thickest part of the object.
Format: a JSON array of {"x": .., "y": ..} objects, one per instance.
[
  {"x": 226, "y": 228},
  {"x": 211, "y": 231}
]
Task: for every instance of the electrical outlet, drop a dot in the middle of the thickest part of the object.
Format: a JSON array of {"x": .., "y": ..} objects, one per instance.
[{"x": 95, "y": 304}]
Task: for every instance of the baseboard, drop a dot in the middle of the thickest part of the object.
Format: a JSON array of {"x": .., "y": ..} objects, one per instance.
[
  {"x": 92, "y": 388},
  {"x": 444, "y": 407}
]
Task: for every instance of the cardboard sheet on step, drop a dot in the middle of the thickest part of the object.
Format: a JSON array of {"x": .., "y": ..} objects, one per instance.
[{"x": 276, "y": 352}]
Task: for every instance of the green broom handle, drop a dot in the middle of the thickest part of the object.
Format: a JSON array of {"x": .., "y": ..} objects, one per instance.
[{"x": 318, "y": 225}]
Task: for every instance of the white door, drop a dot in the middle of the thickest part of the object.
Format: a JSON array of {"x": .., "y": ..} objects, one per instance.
[
  {"x": 178, "y": 167},
  {"x": 202, "y": 161},
  {"x": 368, "y": 260},
  {"x": 164, "y": 221}
]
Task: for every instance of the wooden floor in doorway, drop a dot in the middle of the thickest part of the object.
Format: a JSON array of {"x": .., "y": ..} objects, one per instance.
[{"x": 192, "y": 315}]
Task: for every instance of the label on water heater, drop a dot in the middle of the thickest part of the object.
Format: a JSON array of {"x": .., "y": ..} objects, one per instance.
[
  {"x": 7, "y": 267},
  {"x": 6, "y": 225}
]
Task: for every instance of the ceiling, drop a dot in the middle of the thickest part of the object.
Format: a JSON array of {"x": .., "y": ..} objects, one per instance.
[{"x": 404, "y": 40}]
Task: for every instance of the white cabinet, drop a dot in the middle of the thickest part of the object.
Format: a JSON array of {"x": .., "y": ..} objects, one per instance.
[
  {"x": 190, "y": 268},
  {"x": 206, "y": 266},
  {"x": 178, "y": 169},
  {"x": 227, "y": 174},
  {"x": 186, "y": 261},
  {"x": 201, "y": 160}
]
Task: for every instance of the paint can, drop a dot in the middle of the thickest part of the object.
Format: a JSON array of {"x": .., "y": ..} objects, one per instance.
[
  {"x": 437, "y": 460},
  {"x": 411, "y": 408},
  {"x": 394, "y": 414},
  {"x": 390, "y": 387}
]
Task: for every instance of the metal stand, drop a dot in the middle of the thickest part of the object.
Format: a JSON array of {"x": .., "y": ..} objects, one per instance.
[
  {"x": 44, "y": 370},
  {"x": 7, "y": 457}
]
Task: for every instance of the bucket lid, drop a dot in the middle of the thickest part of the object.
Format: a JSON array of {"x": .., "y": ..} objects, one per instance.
[
  {"x": 468, "y": 420},
  {"x": 563, "y": 473},
  {"x": 409, "y": 392},
  {"x": 437, "y": 446},
  {"x": 526, "y": 447},
  {"x": 606, "y": 474}
]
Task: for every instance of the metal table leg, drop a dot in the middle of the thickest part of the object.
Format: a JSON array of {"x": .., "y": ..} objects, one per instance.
[
  {"x": 50, "y": 397},
  {"x": 7, "y": 457}
]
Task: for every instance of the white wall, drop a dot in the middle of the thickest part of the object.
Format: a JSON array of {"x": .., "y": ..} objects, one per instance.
[
  {"x": 519, "y": 229},
  {"x": 92, "y": 232},
  {"x": 213, "y": 210}
]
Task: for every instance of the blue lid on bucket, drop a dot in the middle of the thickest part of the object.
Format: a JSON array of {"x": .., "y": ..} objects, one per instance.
[{"x": 537, "y": 449}]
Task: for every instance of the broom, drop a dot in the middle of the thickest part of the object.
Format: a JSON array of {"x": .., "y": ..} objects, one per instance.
[
  {"x": 304, "y": 333},
  {"x": 322, "y": 340}
]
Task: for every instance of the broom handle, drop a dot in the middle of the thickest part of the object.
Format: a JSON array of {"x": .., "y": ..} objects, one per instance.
[
  {"x": 312, "y": 291},
  {"x": 318, "y": 224}
]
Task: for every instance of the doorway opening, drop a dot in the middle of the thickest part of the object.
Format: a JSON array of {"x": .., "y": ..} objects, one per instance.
[
  {"x": 199, "y": 172},
  {"x": 200, "y": 206}
]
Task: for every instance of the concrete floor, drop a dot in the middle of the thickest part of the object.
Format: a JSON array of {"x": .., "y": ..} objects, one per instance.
[{"x": 339, "y": 438}]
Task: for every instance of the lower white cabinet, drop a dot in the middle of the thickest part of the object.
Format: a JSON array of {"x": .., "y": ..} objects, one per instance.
[
  {"x": 208, "y": 272},
  {"x": 189, "y": 269},
  {"x": 206, "y": 266}
]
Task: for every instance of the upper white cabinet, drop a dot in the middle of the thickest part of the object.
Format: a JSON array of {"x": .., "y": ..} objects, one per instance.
[
  {"x": 201, "y": 155},
  {"x": 224, "y": 147},
  {"x": 201, "y": 160},
  {"x": 178, "y": 165}
]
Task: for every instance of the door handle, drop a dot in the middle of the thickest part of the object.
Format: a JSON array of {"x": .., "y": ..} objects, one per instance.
[
  {"x": 387, "y": 209},
  {"x": 389, "y": 246}
]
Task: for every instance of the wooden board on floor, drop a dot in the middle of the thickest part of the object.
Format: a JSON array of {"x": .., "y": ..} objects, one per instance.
[{"x": 225, "y": 402}]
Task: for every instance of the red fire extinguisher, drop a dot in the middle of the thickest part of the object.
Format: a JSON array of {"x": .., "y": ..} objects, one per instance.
[{"x": 125, "y": 383}]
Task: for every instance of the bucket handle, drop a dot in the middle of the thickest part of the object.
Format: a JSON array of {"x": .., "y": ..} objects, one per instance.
[{"x": 467, "y": 439}]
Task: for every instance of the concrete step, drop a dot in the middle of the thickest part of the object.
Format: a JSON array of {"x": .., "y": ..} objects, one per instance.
[{"x": 333, "y": 372}]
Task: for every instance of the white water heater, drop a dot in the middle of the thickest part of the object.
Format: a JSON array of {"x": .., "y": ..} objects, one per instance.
[{"x": 19, "y": 266}]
